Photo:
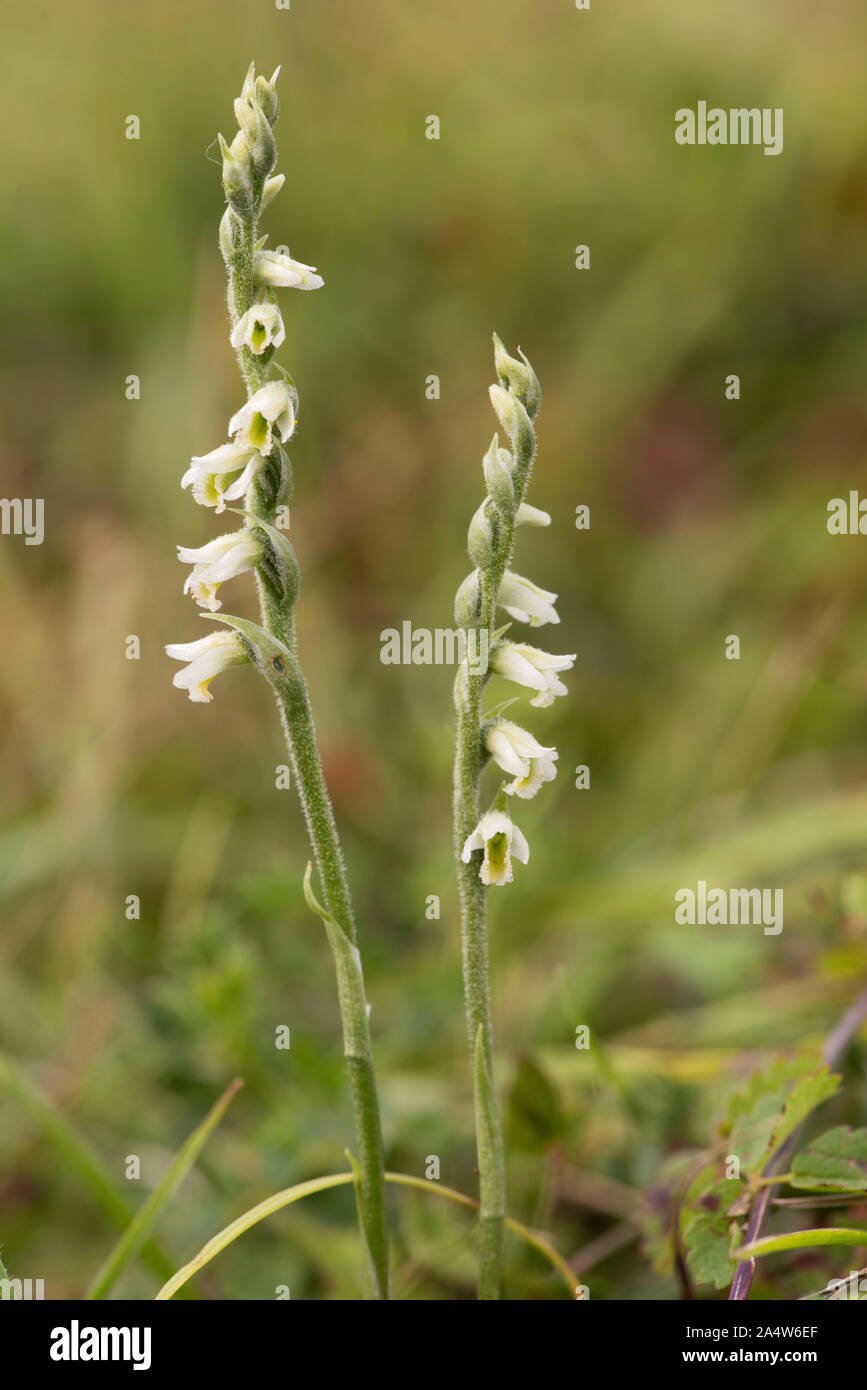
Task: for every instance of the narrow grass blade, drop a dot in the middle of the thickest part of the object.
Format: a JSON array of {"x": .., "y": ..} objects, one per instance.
[
  {"x": 77, "y": 1156},
  {"x": 138, "y": 1230},
  {"x": 307, "y": 1189}
]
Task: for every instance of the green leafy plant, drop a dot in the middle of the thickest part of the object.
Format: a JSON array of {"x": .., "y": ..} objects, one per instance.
[{"x": 722, "y": 1196}]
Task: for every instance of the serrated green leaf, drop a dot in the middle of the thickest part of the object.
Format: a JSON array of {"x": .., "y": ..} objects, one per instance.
[
  {"x": 775, "y": 1076},
  {"x": 709, "y": 1234},
  {"x": 836, "y": 1160},
  {"x": 774, "y": 1115}
]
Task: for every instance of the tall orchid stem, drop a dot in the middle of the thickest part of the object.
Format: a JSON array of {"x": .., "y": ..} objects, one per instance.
[
  {"x": 469, "y": 758},
  {"x": 297, "y": 720}
]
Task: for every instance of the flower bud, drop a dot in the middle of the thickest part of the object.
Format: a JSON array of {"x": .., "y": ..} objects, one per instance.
[
  {"x": 264, "y": 92},
  {"x": 258, "y": 136},
  {"x": 481, "y": 537},
  {"x": 236, "y": 176},
  {"x": 266, "y": 95},
  {"x": 231, "y": 233},
  {"x": 514, "y": 420},
  {"x": 519, "y": 377},
  {"x": 468, "y": 601},
  {"x": 498, "y": 476},
  {"x": 271, "y": 189}
]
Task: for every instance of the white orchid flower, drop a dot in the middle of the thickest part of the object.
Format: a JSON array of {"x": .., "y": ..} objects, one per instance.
[
  {"x": 221, "y": 559},
  {"x": 224, "y": 475},
  {"x": 518, "y": 752},
  {"x": 531, "y": 516},
  {"x": 281, "y": 272},
  {"x": 271, "y": 407},
  {"x": 530, "y": 666},
  {"x": 207, "y": 658},
  {"x": 526, "y": 602},
  {"x": 260, "y": 328},
  {"x": 500, "y": 838}
]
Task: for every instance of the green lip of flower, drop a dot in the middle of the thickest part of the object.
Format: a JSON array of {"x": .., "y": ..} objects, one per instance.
[
  {"x": 499, "y": 837},
  {"x": 260, "y": 328},
  {"x": 224, "y": 475},
  {"x": 271, "y": 407}
]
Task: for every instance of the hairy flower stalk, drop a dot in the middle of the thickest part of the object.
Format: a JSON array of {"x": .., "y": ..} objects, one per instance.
[
  {"x": 254, "y": 468},
  {"x": 486, "y": 845}
]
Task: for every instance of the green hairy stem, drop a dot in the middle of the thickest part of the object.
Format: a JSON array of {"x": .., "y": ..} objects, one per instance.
[
  {"x": 270, "y": 491},
  {"x": 492, "y": 552}
]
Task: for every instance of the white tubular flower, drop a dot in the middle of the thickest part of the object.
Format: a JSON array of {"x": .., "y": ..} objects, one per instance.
[
  {"x": 530, "y": 666},
  {"x": 224, "y": 475},
  {"x": 207, "y": 658},
  {"x": 500, "y": 839},
  {"x": 526, "y": 602},
  {"x": 517, "y": 751},
  {"x": 531, "y": 516},
  {"x": 221, "y": 559},
  {"x": 260, "y": 328},
  {"x": 281, "y": 272},
  {"x": 271, "y": 406}
]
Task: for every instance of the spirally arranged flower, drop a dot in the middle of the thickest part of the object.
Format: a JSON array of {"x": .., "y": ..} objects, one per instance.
[
  {"x": 517, "y": 752},
  {"x": 280, "y": 271},
  {"x": 260, "y": 328},
  {"x": 531, "y": 667},
  {"x": 500, "y": 838},
  {"x": 206, "y": 658},
  {"x": 270, "y": 409},
  {"x": 223, "y": 558},
  {"x": 526, "y": 602},
  {"x": 224, "y": 475}
]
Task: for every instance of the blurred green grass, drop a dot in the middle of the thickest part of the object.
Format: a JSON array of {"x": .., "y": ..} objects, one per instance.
[{"x": 708, "y": 518}]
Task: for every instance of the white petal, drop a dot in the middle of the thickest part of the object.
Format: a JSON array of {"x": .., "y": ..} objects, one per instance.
[
  {"x": 520, "y": 848},
  {"x": 531, "y": 516}
]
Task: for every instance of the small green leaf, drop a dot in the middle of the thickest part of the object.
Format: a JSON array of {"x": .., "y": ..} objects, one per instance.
[
  {"x": 836, "y": 1161},
  {"x": 760, "y": 1130},
  {"x": 709, "y": 1234}
]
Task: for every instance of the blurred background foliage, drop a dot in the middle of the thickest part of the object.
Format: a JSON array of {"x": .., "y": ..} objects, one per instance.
[{"x": 707, "y": 518}]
